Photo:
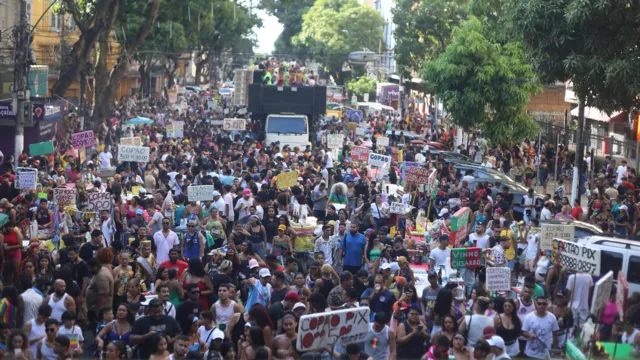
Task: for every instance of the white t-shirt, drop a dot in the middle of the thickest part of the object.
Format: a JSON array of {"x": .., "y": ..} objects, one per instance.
[
  {"x": 543, "y": 328},
  {"x": 228, "y": 200},
  {"x": 243, "y": 206},
  {"x": 164, "y": 244},
  {"x": 481, "y": 241},
  {"x": 580, "y": 285},
  {"x": 532, "y": 246},
  {"x": 105, "y": 159},
  {"x": 545, "y": 214},
  {"x": 440, "y": 256},
  {"x": 329, "y": 160},
  {"x": 621, "y": 171},
  {"x": 74, "y": 334},
  {"x": 476, "y": 330}
]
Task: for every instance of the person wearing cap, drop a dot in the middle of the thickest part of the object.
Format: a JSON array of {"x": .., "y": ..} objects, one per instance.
[
  {"x": 281, "y": 242},
  {"x": 259, "y": 289},
  {"x": 194, "y": 243},
  {"x": 540, "y": 328},
  {"x": 278, "y": 309},
  {"x": 498, "y": 348},
  {"x": 242, "y": 206}
]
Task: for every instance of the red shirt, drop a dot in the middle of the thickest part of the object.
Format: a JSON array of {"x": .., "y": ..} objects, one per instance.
[
  {"x": 180, "y": 265},
  {"x": 577, "y": 212}
]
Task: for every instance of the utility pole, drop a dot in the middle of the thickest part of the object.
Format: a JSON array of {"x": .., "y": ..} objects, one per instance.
[{"x": 21, "y": 104}]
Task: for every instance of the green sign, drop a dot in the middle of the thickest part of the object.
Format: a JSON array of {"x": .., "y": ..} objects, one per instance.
[
  {"x": 460, "y": 219},
  {"x": 465, "y": 258},
  {"x": 43, "y": 148},
  {"x": 42, "y": 195}
]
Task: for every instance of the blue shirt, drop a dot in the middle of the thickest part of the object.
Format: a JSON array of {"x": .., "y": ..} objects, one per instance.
[
  {"x": 382, "y": 302},
  {"x": 259, "y": 294},
  {"x": 227, "y": 180},
  {"x": 353, "y": 249}
]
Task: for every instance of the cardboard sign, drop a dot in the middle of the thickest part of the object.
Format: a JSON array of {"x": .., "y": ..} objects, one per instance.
[
  {"x": 460, "y": 219},
  {"x": 418, "y": 175},
  {"x": 622, "y": 294},
  {"x": 27, "y": 180},
  {"x": 360, "y": 153},
  {"x": 212, "y": 104},
  {"x": 398, "y": 208},
  {"x": 465, "y": 258},
  {"x": 601, "y": 293},
  {"x": 43, "y": 148},
  {"x": 99, "y": 201},
  {"x": 379, "y": 160},
  {"x": 83, "y": 139},
  {"x": 345, "y": 327},
  {"x": 171, "y": 131},
  {"x": 498, "y": 279},
  {"x": 359, "y": 131},
  {"x": 335, "y": 141},
  {"x": 382, "y": 141},
  {"x": 576, "y": 257},
  {"x": 201, "y": 192},
  {"x": 64, "y": 196},
  {"x": 173, "y": 95},
  {"x": 178, "y": 128},
  {"x": 286, "y": 180},
  {"x": 233, "y": 124},
  {"x": 133, "y": 153},
  {"x": 131, "y": 141},
  {"x": 553, "y": 231}
]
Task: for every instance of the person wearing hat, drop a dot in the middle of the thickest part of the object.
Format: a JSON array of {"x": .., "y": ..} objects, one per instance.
[
  {"x": 194, "y": 242},
  {"x": 405, "y": 270},
  {"x": 242, "y": 206},
  {"x": 259, "y": 289},
  {"x": 497, "y": 348},
  {"x": 278, "y": 309},
  {"x": 281, "y": 242}
]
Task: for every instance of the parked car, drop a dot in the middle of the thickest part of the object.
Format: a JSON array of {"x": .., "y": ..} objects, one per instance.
[
  {"x": 479, "y": 171},
  {"x": 615, "y": 255},
  {"x": 226, "y": 92},
  {"x": 193, "y": 89}
]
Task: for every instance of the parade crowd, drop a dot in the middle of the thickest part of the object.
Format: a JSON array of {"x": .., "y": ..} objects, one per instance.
[{"x": 157, "y": 276}]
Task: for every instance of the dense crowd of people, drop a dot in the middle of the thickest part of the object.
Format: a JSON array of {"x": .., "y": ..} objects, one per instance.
[{"x": 157, "y": 276}]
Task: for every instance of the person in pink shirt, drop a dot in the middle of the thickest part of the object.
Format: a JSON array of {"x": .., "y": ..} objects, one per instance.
[{"x": 608, "y": 315}]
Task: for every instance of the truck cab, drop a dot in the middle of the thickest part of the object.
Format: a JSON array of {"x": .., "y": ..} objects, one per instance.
[{"x": 288, "y": 129}]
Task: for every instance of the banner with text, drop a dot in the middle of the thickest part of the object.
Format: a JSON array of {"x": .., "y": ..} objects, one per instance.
[
  {"x": 99, "y": 201},
  {"x": 286, "y": 180},
  {"x": 201, "y": 192},
  {"x": 26, "y": 180},
  {"x": 335, "y": 141},
  {"x": 231, "y": 124},
  {"x": 64, "y": 196},
  {"x": 399, "y": 208},
  {"x": 418, "y": 175},
  {"x": 83, "y": 139},
  {"x": 133, "y": 153},
  {"x": 382, "y": 141},
  {"x": 345, "y": 327},
  {"x": 465, "y": 258},
  {"x": 360, "y": 153},
  {"x": 498, "y": 279},
  {"x": 131, "y": 141},
  {"x": 379, "y": 160},
  {"x": 572, "y": 256},
  {"x": 555, "y": 231}
]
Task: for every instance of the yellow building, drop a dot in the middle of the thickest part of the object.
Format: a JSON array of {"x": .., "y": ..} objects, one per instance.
[{"x": 57, "y": 31}]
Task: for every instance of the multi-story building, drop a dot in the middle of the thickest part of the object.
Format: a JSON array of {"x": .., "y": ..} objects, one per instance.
[{"x": 386, "y": 50}]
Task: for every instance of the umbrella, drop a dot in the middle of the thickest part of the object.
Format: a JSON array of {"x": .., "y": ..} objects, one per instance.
[{"x": 139, "y": 121}]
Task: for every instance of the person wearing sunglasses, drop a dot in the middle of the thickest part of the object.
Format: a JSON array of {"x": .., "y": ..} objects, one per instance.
[
  {"x": 193, "y": 245},
  {"x": 540, "y": 328},
  {"x": 46, "y": 346}
]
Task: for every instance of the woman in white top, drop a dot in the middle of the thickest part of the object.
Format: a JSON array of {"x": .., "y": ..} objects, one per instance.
[
  {"x": 630, "y": 335},
  {"x": 379, "y": 210}
]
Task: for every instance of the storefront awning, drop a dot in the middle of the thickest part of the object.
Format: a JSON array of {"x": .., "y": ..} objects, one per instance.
[{"x": 599, "y": 115}]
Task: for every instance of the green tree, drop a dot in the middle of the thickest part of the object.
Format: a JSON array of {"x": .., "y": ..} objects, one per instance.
[
  {"x": 423, "y": 29},
  {"x": 484, "y": 85},
  {"x": 289, "y": 14},
  {"x": 363, "y": 85},
  {"x": 593, "y": 43},
  {"x": 332, "y": 29}
]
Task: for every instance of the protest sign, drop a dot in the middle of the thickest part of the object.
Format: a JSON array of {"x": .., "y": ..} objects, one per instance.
[
  {"x": 99, "y": 201},
  {"x": 601, "y": 293},
  {"x": 212, "y": 105},
  {"x": 216, "y": 122},
  {"x": 622, "y": 293},
  {"x": 43, "y": 148},
  {"x": 201, "y": 192},
  {"x": 26, "y": 180},
  {"x": 64, "y": 196},
  {"x": 465, "y": 258},
  {"x": 359, "y": 131},
  {"x": 83, "y": 139},
  {"x": 171, "y": 131},
  {"x": 418, "y": 175},
  {"x": 173, "y": 95},
  {"x": 288, "y": 179},
  {"x": 360, "y": 153},
  {"x": 131, "y": 141},
  {"x": 379, "y": 160},
  {"x": 459, "y": 226},
  {"x": 398, "y": 208},
  {"x": 382, "y": 141},
  {"x": 553, "y": 231},
  {"x": 231, "y": 124},
  {"x": 572, "y": 256},
  {"x": 404, "y": 169},
  {"x": 498, "y": 279},
  {"x": 335, "y": 141},
  {"x": 133, "y": 153},
  {"x": 328, "y": 328},
  {"x": 178, "y": 128}
]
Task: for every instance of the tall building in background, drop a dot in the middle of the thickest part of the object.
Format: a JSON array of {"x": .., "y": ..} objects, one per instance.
[{"x": 386, "y": 49}]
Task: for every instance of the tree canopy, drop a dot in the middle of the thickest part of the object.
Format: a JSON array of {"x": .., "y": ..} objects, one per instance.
[
  {"x": 363, "y": 85},
  {"x": 332, "y": 29},
  {"x": 483, "y": 84}
]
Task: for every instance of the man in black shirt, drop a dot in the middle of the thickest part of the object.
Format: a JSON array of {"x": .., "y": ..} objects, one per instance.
[
  {"x": 154, "y": 323},
  {"x": 399, "y": 248},
  {"x": 90, "y": 249},
  {"x": 279, "y": 308},
  {"x": 191, "y": 306},
  {"x": 279, "y": 291},
  {"x": 362, "y": 189},
  {"x": 223, "y": 276}
]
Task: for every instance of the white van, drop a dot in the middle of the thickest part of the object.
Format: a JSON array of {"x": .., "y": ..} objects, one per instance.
[
  {"x": 617, "y": 254},
  {"x": 288, "y": 129}
]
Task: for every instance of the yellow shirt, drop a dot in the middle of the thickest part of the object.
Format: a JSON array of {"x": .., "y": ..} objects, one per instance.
[
  {"x": 510, "y": 252},
  {"x": 51, "y": 246}
]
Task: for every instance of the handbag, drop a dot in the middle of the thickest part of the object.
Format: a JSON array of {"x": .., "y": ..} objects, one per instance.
[{"x": 383, "y": 219}]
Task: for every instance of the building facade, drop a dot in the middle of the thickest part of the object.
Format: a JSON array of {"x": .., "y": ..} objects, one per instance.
[{"x": 387, "y": 59}]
